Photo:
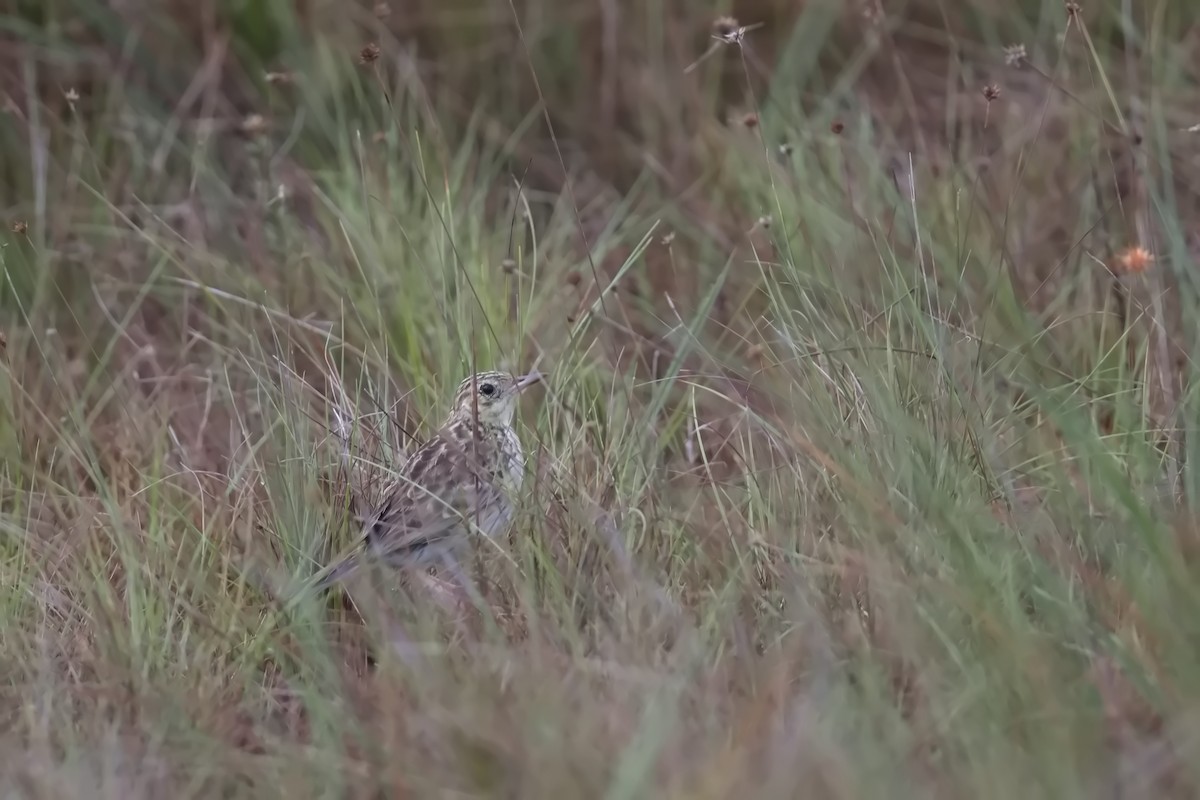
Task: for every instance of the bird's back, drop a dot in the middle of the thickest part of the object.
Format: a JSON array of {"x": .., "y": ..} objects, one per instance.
[{"x": 463, "y": 471}]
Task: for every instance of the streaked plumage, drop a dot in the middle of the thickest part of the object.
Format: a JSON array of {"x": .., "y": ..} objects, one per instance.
[{"x": 467, "y": 473}]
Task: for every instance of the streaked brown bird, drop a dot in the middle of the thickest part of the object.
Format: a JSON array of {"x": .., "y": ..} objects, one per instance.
[{"x": 467, "y": 474}]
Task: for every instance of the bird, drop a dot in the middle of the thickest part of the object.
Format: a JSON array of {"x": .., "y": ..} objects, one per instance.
[{"x": 469, "y": 472}]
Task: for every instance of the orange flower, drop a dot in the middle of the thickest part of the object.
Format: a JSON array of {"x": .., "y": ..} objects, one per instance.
[{"x": 1133, "y": 260}]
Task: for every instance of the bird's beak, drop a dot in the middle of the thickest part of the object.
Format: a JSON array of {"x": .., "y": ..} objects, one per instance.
[{"x": 528, "y": 380}]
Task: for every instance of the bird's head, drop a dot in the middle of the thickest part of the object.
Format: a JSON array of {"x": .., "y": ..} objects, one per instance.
[{"x": 491, "y": 397}]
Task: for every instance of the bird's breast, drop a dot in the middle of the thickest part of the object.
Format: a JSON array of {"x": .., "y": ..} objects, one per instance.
[{"x": 513, "y": 459}]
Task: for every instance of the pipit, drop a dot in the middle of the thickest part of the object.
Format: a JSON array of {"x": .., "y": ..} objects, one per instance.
[{"x": 468, "y": 473}]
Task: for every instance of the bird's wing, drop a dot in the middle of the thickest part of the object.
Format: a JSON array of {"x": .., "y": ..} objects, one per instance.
[{"x": 427, "y": 502}]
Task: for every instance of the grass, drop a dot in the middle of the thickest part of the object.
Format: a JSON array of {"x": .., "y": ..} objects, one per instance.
[{"x": 864, "y": 467}]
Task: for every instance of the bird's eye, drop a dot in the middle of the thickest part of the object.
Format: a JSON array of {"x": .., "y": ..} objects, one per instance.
[{"x": 487, "y": 389}]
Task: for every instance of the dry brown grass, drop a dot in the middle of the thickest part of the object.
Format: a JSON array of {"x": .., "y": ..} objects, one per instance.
[{"x": 864, "y": 469}]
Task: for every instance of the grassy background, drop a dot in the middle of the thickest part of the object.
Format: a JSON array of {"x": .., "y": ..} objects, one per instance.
[{"x": 864, "y": 468}]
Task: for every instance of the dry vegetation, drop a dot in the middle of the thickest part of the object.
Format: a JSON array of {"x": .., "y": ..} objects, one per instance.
[{"x": 864, "y": 468}]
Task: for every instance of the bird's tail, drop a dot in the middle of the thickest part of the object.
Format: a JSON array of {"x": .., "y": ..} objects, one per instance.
[
  {"x": 325, "y": 579},
  {"x": 337, "y": 572}
]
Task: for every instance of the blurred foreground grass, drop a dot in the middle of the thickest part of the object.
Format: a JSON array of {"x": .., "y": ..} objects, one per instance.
[{"x": 864, "y": 468}]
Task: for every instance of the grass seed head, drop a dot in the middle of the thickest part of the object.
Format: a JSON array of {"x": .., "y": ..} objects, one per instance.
[
  {"x": 253, "y": 125},
  {"x": 1015, "y": 56},
  {"x": 725, "y": 27},
  {"x": 1133, "y": 261}
]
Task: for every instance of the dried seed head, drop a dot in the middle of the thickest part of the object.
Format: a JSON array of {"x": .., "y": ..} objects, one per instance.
[
  {"x": 508, "y": 266},
  {"x": 786, "y": 149},
  {"x": 1014, "y": 55},
  {"x": 727, "y": 30},
  {"x": 872, "y": 13},
  {"x": 724, "y": 27},
  {"x": 20, "y": 227},
  {"x": 369, "y": 54},
  {"x": 1133, "y": 260},
  {"x": 253, "y": 125},
  {"x": 669, "y": 239},
  {"x": 764, "y": 222},
  {"x": 991, "y": 92},
  {"x": 1073, "y": 10},
  {"x": 837, "y": 126}
]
